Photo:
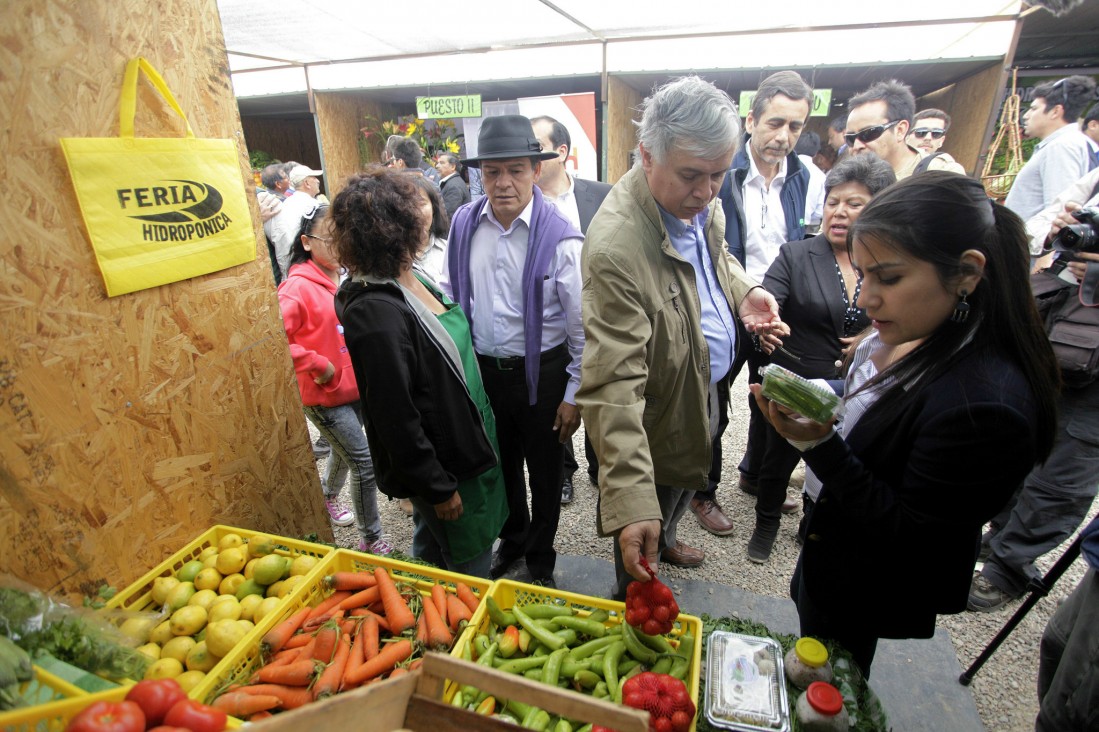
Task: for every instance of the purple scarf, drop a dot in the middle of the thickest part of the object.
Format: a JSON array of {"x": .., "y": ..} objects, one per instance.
[{"x": 548, "y": 227}]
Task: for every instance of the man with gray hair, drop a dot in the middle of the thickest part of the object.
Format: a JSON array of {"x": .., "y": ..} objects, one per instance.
[{"x": 660, "y": 301}]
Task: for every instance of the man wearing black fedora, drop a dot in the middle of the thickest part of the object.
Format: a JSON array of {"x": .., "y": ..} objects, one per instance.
[{"x": 513, "y": 264}]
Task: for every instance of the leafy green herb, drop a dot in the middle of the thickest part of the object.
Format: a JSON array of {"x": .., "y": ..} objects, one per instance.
[{"x": 79, "y": 643}]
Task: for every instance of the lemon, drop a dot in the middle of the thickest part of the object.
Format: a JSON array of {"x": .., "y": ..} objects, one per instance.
[
  {"x": 138, "y": 628},
  {"x": 208, "y": 579},
  {"x": 188, "y": 571},
  {"x": 225, "y": 611},
  {"x": 188, "y": 620},
  {"x": 230, "y": 584},
  {"x": 203, "y": 598},
  {"x": 161, "y": 587},
  {"x": 246, "y": 624},
  {"x": 249, "y": 587},
  {"x": 200, "y": 658},
  {"x": 210, "y": 562},
  {"x": 222, "y": 636},
  {"x": 266, "y": 606},
  {"x": 231, "y": 561},
  {"x": 178, "y": 648},
  {"x": 289, "y": 584},
  {"x": 189, "y": 680},
  {"x": 273, "y": 590},
  {"x": 179, "y": 596},
  {"x": 210, "y": 551},
  {"x": 248, "y": 607},
  {"x": 162, "y": 633},
  {"x": 260, "y": 545},
  {"x": 230, "y": 541},
  {"x": 165, "y": 668},
  {"x": 302, "y": 565},
  {"x": 152, "y": 650},
  {"x": 250, "y": 569},
  {"x": 269, "y": 569}
]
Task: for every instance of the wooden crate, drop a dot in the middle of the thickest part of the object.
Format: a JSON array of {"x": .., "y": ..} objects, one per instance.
[{"x": 414, "y": 702}]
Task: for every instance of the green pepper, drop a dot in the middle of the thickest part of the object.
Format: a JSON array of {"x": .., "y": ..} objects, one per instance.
[
  {"x": 544, "y": 611},
  {"x": 519, "y": 708},
  {"x": 551, "y": 671},
  {"x": 636, "y": 648},
  {"x": 569, "y": 667},
  {"x": 599, "y": 616},
  {"x": 626, "y": 665},
  {"x": 681, "y": 663},
  {"x": 486, "y": 659},
  {"x": 568, "y": 635},
  {"x": 663, "y": 665},
  {"x": 538, "y": 720},
  {"x": 519, "y": 665},
  {"x": 534, "y": 674},
  {"x": 562, "y": 726},
  {"x": 498, "y": 616},
  {"x": 658, "y": 643},
  {"x": 610, "y": 664},
  {"x": 586, "y": 728},
  {"x": 600, "y": 690},
  {"x": 586, "y": 679},
  {"x": 588, "y": 649},
  {"x": 524, "y": 640},
  {"x": 537, "y": 632},
  {"x": 458, "y": 700},
  {"x": 799, "y": 394},
  {"x": 480, "y": 644},
  {"x": 585, "y": 626}
]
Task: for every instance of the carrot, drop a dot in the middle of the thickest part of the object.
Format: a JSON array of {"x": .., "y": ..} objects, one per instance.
[
  {"x": 241, "y": 705},
  {"x": 396, "y": 609},
  {"x": 416, "y": 664},
  {"x": 259, "y": 716},
  {"x": 421, "y": 629},
  {"x": 439, "y": 636},
  {"x": 362, "y": 612},
  {"x": 438, "y": 596},
  {"x": 326, "y": 640},
  {"x": 465, "y": 594},
  {"x": 390, "y": 656},
  {"x": 399, "y": 671},
  {"x": 350, "y": 580},
  {"x": 298, "y": 673},
  {"x": 297, "y": 641},
  {"x": 369, "y": 633},
  {"x": 291, "y": 697},
  {"x": 356, "y": 657},
  {"x": 329, "y": 602},
  {"x": 360, "y": 599},
  {"x": 280, "y": 634},
  {"x": 329, "y": 681},
  {"x": 458, "y": 612}
]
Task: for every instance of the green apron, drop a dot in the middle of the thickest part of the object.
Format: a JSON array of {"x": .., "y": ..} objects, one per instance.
[{"x": 484, "y": 503}]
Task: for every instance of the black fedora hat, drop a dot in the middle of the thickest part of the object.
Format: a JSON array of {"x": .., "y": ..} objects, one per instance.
[{"x": 506, "y": 137}]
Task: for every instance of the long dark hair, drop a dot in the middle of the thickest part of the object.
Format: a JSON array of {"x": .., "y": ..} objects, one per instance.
[
  {"x": 935, "y": 217},
  {"x": 309, "y": 223}
]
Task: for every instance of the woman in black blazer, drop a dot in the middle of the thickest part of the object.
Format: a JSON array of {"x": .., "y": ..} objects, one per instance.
[
  {"x": 957, "y": 416},
  {"x": 816, "y": 289}
]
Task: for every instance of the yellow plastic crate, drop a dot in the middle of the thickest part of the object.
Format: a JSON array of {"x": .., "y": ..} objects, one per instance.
[
  {"x": 44, "y": 690},
  {"x": 508, "y": 593},
  {"x": 55, "y": 716},
  {"x": 139, "y": 597},
  {"x": 245, "y": 659}
]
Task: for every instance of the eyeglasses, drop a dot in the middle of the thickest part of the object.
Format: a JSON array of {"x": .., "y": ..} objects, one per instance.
[
  {"x": 922, "y": 132},
  {"x": 320, "y": 238},
  {"x": 868, "y": 134}
]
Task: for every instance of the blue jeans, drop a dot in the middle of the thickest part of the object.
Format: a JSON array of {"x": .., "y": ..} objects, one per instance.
[
  {"x": 342, "y": 426},
  {"x": 429, "y": 543}
]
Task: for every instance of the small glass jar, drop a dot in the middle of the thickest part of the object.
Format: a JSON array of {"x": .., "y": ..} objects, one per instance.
[
  {"x": 820, "y": 709},
  {"x": 807, "y": 662}
]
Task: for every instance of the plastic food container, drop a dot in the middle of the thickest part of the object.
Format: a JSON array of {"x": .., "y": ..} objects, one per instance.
[
  {"x": 745, "y": 684},
  {"x": 820, "y": 709},
  {"x": 818, "y": 403},
  {"x": 807, "y": 662}
]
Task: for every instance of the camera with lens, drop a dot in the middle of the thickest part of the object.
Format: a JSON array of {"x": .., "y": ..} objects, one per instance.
[{"x": 1082, "y": 237}]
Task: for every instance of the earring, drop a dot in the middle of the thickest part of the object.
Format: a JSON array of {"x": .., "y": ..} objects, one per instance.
[{"x": 961, "y": 310}]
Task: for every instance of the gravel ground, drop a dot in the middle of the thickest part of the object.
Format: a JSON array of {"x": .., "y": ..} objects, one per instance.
[{"x": 1004, "y": 689}]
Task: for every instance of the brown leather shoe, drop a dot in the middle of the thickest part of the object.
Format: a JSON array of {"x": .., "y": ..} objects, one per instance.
[
  {"x": 682, "y": 555},
  {"x": 750, "y": 488},
  {"x": 791, "y": 504},
  {"x": 711, "y": 517}
]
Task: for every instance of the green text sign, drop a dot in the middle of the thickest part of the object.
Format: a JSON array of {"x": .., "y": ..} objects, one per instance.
[
  {"x": 466, "y": 105},
  {"x": 822, "y": 102}
]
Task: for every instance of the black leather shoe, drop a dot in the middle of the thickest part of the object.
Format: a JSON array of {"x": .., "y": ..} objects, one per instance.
[
  {"x": 500, "y": 565},
  {"x": 566, "y": 490}
]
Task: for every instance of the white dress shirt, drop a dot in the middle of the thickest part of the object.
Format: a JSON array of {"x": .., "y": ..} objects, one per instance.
[
  {"x": 765, "y": 223},
  {"x": 566, "y": 203},
  {"x": 496, "y": 259}
]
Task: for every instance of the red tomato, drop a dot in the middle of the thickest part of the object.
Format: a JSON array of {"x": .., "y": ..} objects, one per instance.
[
  {"x": 166, "y": 728},
  {"x": 156, "y": 697},
  {"x": 109, "y": 717},
  {"x": 196, "y": 717}
]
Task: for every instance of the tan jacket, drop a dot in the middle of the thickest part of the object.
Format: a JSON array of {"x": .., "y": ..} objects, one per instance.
[{"x": 644, "y": 380}]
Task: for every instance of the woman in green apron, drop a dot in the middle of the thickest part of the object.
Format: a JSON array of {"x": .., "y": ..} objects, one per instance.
[{"x": 428, "y": 420}]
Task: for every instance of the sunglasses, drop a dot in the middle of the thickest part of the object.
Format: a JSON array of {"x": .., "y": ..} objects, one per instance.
[
  {"x": 868, "y": 134},
  {"x": 922, "y": 132}
]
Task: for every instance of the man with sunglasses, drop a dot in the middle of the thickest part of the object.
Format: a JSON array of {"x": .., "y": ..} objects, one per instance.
[
  {"x": 879, "y": 119},
  {"x": 1063, "y": 155},
  {"x": 929, "y": 128}
]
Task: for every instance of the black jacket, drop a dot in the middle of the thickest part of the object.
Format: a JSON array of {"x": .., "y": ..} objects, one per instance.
[{"x": 424, "y": 429}]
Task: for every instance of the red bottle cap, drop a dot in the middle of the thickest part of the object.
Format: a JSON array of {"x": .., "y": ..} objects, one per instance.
[{"x": 825, "y": 698}]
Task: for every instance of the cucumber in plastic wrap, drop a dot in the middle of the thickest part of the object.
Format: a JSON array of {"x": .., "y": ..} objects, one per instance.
[{"x": 816, "y": 402}]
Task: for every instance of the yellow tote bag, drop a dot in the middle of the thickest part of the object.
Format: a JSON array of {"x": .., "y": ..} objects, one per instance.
[{"x": 159, "y": 210}]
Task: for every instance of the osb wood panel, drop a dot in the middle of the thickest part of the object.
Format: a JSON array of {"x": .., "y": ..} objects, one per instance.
[
  {"x": 128, "y": 425},
  {"x": 622, "y": 103},
  {"x": 969, "y": 102},
  {"x": 340, "y": 118},
  {"x": 293, "y": 138}
]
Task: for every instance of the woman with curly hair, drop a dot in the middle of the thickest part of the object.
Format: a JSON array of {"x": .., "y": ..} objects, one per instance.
[{"x": 428, "y": 421}]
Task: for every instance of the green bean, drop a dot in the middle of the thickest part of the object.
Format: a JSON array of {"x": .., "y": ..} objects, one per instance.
[
  {"x": 562, "y": 726},
  {"x": 551, "y": 671},
  {"x": 521, "y": 710},
  {"x": 569, "y": 667},
  {"x": 587, "y": 678},
  {"x": 519, "y": 665},
  {"x": 663, "y": 665},
  {"x": 600, "y": 616},
  {"x": 626, "y": 665},
  {"x": 681, "y": 663},
  {"x": 600, "y": 690},
  {"x": 533, "y": 673},
  {"x": 537, "y": 632},
  {"x": 538, "y": 722},
  {"x": 658, "y": 643},
  {"x": 486, "y": 659},
  {"x": 539, "y": 650},
  {"x": 589, "y": 648},
  {"x": 636, "y": 648},
  {"x": 568, "y": 635},
  {"x": 610, "y": 664},
  {"x": 545, "y": 611},
  {"x": 498, "y": 616},
  {"x": 582, "y": 625}
]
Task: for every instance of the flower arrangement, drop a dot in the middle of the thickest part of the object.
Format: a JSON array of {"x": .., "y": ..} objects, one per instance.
[{"x": 433, "y": 135}]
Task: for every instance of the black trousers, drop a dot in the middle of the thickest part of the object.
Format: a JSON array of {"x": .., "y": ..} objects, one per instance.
[
  {"x": 526, "y": 434},
  {"x": 570, "y": 464}
]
